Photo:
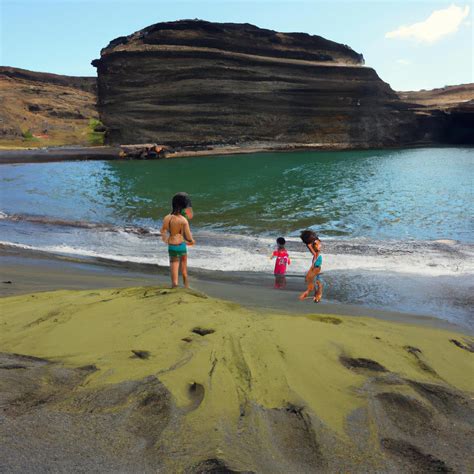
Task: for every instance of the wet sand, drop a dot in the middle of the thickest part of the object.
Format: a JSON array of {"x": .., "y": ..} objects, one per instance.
[{"x": 31, "y": 272}]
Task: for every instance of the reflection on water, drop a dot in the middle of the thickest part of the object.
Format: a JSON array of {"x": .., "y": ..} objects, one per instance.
[{"x": 421, "y": 194}]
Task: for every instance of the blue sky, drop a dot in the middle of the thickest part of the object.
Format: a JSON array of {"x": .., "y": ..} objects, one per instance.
[{"x": 397, "y": 38}]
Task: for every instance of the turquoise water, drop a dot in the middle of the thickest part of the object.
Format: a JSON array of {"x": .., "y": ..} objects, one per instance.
[
  {"x": 391, "y": 194},
  {"x": 396, "y": 225}
]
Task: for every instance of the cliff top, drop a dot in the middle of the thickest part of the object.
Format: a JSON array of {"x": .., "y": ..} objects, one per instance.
[
  {"x": 88, "y": 84},
  {"x": 442, "y": 97},
  {"x": 241, "y": 38}
]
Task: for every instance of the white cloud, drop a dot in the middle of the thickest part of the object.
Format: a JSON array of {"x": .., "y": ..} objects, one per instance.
[
  {"x": 439, "y": 24},
  {"x": 403, "y": 62}
]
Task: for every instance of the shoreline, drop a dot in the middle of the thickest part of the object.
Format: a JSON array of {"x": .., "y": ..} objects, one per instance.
[
  {"x": 35, "y": 271},
  {"x": 56, "y": 154},
  {"x": 111, "y": 153}
]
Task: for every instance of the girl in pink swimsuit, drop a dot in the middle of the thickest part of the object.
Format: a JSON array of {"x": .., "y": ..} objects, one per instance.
[{"x": 282, "y": 261}]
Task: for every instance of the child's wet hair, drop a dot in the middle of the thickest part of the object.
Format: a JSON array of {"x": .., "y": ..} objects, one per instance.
[
  {"x": 180, "y": 201},
  {"x": 308, "y": 236},
  {"x": 281, "y": 242}
]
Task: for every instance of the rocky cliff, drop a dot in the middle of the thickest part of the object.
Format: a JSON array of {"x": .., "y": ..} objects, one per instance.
[
  {"x": 41, "y": 109},
  {"x": 446, "y": 114},
  {"x": 195, "y": 83}
]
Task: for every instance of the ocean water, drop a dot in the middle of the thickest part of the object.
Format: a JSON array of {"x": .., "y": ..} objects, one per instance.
[{"x": 397, "y": 225}]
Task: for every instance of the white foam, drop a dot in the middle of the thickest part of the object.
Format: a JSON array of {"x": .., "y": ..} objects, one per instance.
[
  {"x": 74, "y": 251},
  {"x": 235, "y": 259},
  {"x": 251, "y": 254}
]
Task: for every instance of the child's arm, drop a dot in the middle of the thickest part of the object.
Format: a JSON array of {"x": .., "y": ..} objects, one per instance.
[
  {"x": 188, "y": 236},
  {"x": 164, "y": 230},
  {"x": 314, "y": 252},
  {"x": 272, "y": 256}
]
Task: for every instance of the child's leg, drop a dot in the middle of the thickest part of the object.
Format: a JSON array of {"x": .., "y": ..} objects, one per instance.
[
  {"x": 318, "y": 293},
  {"x": 310, "y": 276},
  {"x": 174, "y": 270},
  {"x": 184, "y": 270},
  {"x": 280, "y": 281}
]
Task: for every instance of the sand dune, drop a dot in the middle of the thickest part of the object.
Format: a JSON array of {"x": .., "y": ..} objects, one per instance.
[{"x": 143, "y": 379}]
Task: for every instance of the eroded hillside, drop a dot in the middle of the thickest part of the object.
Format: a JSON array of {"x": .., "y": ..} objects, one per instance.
[{"x": 41, "y": 109}]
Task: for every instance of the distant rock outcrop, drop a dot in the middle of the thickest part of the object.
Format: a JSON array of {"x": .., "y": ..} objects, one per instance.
[
  {"x": 85, "y": 83},
  {"x": 41, "y": 109},
  {"x": 195, "y": 83},
  {"x": 447, "y": 113},
  {"x": 442, "y": 98}
]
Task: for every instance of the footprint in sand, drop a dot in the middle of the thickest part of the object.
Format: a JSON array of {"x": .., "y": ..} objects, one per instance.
[{"x": 202, "y": 331}]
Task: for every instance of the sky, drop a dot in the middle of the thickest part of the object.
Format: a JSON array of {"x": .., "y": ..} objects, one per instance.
[{"x": 412, "y": 44}]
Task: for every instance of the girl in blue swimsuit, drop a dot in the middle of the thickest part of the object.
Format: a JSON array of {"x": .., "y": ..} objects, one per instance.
[
  {"x": 313, "y": 244},
  {"x": 176, "y": 232}
]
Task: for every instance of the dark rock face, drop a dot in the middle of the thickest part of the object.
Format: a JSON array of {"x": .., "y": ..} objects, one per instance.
[
  {"x": 444, "y": 115},
  {"x": 199, "y": 83},
  {"x": 460, "y": 129},
  {"x": 194, "y": 84}
]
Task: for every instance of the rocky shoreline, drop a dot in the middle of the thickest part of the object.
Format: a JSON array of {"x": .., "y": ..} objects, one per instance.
[{"x": 56, "y": 154}]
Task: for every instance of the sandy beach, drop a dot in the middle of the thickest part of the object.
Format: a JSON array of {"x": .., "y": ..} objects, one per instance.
[{"x": 115, "y": 372}]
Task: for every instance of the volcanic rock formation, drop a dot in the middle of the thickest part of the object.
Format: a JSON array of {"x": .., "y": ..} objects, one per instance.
[{"x": 195, "y": 83}]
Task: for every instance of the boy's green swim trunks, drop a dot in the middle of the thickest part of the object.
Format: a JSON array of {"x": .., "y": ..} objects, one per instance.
[{"x": 177, "y": 251}]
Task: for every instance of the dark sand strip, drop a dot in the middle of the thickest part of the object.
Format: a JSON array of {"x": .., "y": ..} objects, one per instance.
[{"x": 44, "y": 155}]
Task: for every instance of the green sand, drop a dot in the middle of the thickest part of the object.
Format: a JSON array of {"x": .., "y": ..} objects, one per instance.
[{"x": 231, "y": 388}]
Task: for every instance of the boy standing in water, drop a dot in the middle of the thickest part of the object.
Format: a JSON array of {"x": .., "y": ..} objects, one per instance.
[
  {"x": 176, "y": 232},
  {"x": 314, "y": 246},
  {"x": 282, "y": 260}
]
